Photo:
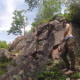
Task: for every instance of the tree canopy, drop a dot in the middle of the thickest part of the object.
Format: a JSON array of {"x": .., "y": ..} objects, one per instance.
[
  {"x": 19, "y": 22},
  {"x": 34, "y": 3},
  {"x": 73, "y": 11},
  {"x": 45, "y": 11}
]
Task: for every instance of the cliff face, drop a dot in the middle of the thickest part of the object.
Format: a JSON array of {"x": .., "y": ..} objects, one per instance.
[
  {"x": 17, "y": 44},
  {"x": 35, "y": 53}
]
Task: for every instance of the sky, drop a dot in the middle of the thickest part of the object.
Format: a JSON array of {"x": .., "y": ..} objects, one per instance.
[{"x": 6, "y": 9}]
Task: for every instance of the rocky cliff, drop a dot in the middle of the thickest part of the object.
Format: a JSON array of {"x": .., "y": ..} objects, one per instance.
[{"x": 35, "y": 51}]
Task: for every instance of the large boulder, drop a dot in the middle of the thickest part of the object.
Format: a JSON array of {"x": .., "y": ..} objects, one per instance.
[
  {"x": 4, "y": 53},
  {"x": 17, "y": 44}
]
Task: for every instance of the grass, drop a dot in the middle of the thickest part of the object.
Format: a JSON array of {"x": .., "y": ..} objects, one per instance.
[
  {"x": 54, "y": 73},
  {"x": 4, "y": 62},
  {"x": 77, "y": 75}
]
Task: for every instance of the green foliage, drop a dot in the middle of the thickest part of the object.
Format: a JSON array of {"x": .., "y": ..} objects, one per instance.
[
  {"x": 37, "y": 3},
  {"x": 2, "y": 71},
  {"x": 40, "y": 22},
  {"x": 19, "y": 22},
  {"x": 3, "y": 44},
  {"x": 33, "y": 3},
  {"x": 4, "y": 62},
  {"x": 53, "y": 74},
  {"x": 46, "y": 12},
  {"x": 48, "y": 9},
  {"x": 67, "y": 17},
  {"x": 35, "y": 24},
  {"x": 50, "y": 62},
  {"x": 77, "y": 75},
  {"x": 72, "y": 12},
  {"x": 69, "y": 2}
]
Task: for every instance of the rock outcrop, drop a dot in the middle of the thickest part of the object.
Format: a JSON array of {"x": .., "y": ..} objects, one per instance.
[
  {"x": 35, "y": 53},
  {"x": 17, "y": 44},
  {"x": 4, "y": 53}
]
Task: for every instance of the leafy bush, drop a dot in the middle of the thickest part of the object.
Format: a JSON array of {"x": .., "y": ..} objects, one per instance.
[
  {"x": 67, "y": 17},
  {"x": 3, "y": 63},
  {"x": 53, "y": 74},
  {"x": 3, "y": 44},
  {"x": 35, "y": 24},
  {"x": 73, "y": 13},
  {"x": 40, "y": 22},
  {"x": 77, "y": 75}
]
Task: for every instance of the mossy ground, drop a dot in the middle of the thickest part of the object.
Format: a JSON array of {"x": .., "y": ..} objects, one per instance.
[{"x": 4, "y": 62}]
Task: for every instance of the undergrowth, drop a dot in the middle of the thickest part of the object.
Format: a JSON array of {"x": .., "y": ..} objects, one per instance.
[
  {"x": 4, "y": 62},
  {"x": 53, "y": 73}
]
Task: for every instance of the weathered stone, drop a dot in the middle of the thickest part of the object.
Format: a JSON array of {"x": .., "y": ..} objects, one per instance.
[
  {"x": 9, "y": 68},
  {"x": 17, "y": 44},
  {"x": 68, "y": 79},
  {"x": 4, "y": 53}
]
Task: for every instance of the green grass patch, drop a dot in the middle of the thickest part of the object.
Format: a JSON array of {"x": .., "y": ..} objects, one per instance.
[
  {"x": 77, "y": 75},
  {"x": 54, "y": 73},
  {"x": 3, "y": 44},
  {"x": 4, "y": 62}
]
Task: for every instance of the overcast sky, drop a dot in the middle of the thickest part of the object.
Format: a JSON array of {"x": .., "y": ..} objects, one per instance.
[{"x": 6, "y": 9}]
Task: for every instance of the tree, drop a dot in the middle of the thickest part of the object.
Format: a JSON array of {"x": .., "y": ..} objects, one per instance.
[
  {"x": 19, "y": 22},
  {"x": 47, "y": 10},
  {"x": 73, "y": 10},
  {"x": 69, "y": 2},
  {"x": 33, "y": 3},
  {"x": 36, "y": 3}
]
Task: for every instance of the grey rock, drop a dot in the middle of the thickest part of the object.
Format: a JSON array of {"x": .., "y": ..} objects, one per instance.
[{"x": 4, "y": 53}]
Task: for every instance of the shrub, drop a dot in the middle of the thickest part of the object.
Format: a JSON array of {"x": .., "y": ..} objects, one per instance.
[
  {"x": 53, "y": 74},
  {"x": 3, "y": 44},
  {"x": 4, "y": 62},
  {"x": 77, "y": 75},
  {"x": 73, "y": 13}
]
